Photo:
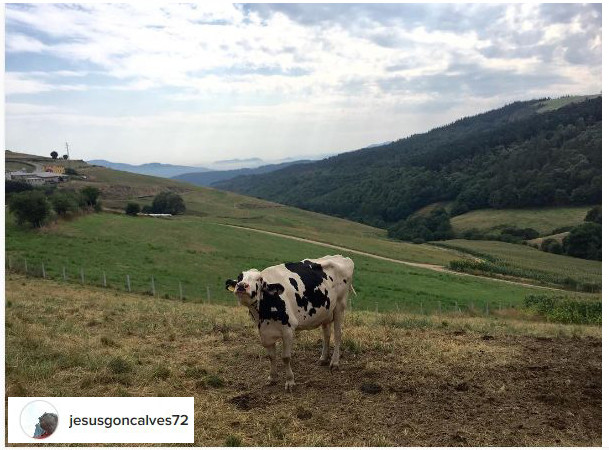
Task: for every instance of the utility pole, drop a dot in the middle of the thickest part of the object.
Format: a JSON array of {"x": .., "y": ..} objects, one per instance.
[{"x": 67, "y": 150}]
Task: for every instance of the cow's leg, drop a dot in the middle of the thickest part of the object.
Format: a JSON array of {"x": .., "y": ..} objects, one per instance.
[
  {"x": 338, "y": 321},
  {"x": 271, "y": 351},
  {"x": 288, "y": 338},
  {"x": 325, "y": 351}
]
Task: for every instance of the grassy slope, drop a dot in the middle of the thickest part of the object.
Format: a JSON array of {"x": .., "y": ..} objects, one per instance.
[
  {"x": 528, "y": 258},
  {"x": 544, "y": 220},
  {"x": 201, "y": 254},
  {"x": 442, "y": 385},
  {"x": 224, "y": 207}
]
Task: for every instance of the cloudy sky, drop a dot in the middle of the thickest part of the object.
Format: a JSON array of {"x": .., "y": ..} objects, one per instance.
[{"x": 190, "y": 84}]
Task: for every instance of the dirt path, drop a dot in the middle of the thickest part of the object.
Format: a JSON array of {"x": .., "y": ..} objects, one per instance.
[{"x": 434, "y": 267}]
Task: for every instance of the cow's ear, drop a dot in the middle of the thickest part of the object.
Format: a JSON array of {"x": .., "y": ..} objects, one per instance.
[
  {"x": 230, "y": 285},
  {"x": 273, "y": 289}
]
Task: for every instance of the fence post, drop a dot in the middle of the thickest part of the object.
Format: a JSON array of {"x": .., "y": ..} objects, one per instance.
[
  {"x": 181, "y": 296},
  {"x": 440, "y": 306},
  {"x": 64, "y": 274},
  {"x": 377, "y": 306},
  {"x": 487, "y": 307},
  {"x": 153, "y": 290},
  {"x": 208, "y": 295},
  {"x": 10, "y": 264},
  {"x": 128, "y": 283},
  {"x": 457, "y": 309},
  {"x": 44, "y": 274},
  {"x": 82, "y": 275},
  {"x": 421, "y": 307},
  {"x": 105, "y": 284},
  {"x": 25, "y": 266}
]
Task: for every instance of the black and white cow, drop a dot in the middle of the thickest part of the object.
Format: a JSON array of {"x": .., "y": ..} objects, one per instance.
[{"x": 296, "y": 296}]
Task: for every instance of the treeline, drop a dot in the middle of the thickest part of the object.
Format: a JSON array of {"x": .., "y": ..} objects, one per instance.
[
  {"x": 37, "y": 206},
  {"x": 512, "y": 157}
]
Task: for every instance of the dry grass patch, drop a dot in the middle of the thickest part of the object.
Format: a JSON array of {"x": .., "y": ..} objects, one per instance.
[{"x": 404, "y": 380}]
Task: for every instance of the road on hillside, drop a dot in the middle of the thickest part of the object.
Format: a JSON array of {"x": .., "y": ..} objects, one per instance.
[{"x": 434, "y": 267}]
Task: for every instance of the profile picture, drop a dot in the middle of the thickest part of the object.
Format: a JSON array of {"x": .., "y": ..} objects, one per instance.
[{"x": 39, "y": 419}]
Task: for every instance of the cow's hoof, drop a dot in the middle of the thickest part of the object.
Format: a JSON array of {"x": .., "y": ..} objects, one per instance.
[
  {"x": 323, "y": 362},
  {"x": 333, "y": 365},
  {"x": 289, "y": 385}
]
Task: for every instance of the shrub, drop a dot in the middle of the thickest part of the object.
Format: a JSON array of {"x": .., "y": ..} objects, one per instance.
[
  {"x": 119, "y": 365},
  {"x": 70, "y": 171},
  {"x": 565, "y": 310},
  {"x": 585, "y": 241},
  {"x": 552, "y": 246},
  {"x": 12, "y": 186},
  {"x": 594, "y": 215},
  {"x": 233, "y": 441},
  {"x": 132, "y": 209},
  {"x": 30, "y": 206},
  {"x": 64, "y": 202},
  {"x": 90, "y": 195}
]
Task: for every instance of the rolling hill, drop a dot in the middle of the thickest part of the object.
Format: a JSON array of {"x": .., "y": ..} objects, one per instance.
[
  {"x": 536, "y": 153},
  {"x": 210, "y": 177},
  {"x": 153, "y": 169}
]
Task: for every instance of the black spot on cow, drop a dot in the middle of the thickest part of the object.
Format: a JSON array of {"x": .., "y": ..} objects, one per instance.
[
  {"x": 240, "y": 277},
  {"x": 294, "y": 283},
  {"x": 272, "y": 306},
  {"x": 331, "y": 279},
  {"x": 312, "y": 276},
  {"x": 312, "y": 311},
  {"x": 344, "y": 281}
]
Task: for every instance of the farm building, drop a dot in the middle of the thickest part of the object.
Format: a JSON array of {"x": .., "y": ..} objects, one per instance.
[{"x": 36, "y": 178}]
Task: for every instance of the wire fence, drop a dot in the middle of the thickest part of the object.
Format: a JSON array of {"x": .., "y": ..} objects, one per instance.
[{"x": 166, "y": 287}]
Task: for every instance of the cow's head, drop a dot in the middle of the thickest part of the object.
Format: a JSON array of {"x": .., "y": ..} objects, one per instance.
[{"x": 250, "y": 287}]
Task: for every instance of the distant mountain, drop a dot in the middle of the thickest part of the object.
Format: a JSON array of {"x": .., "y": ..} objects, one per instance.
[
  {"x": 209, "y": 178},
  {"x": 154, "y": 169},
  {"x": 527, "y": 154},
  {"x": 234, "y": 164}
]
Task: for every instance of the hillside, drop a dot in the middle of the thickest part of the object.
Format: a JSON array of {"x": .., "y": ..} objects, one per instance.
[
  {"x": 528, "y": 154},
  {"x": 153, "y": 169},
  {"x": 209, "y": 178},
  {"x": 404, "y": 380}
]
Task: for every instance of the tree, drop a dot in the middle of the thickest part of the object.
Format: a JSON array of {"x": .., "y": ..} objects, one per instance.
[
  {"x": 132, "y": 209},
  {"x": 64, "y": 202},
  {"x": 54, "y": 154},
  {"x": 168, "y": 203},
  {"x": 90, "y": 195},
  {"x": 65, "y": 156},
  {"x": 30, "y": 206},
  {"x": 585, "y": 241}
]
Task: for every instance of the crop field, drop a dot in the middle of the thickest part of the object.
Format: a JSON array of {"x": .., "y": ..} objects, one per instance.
[
  {"x": 544, "y": 266},
  {"x": 404, "y": 380},
  {"x": 197, "y": 254},
  {"x": 544, "y": 220}
]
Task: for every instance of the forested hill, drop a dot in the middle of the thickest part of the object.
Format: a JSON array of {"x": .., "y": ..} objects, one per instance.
[{"x": 526, "y": 154}]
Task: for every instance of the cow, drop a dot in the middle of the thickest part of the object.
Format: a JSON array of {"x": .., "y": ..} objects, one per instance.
[{"x": 296, "y": 296}]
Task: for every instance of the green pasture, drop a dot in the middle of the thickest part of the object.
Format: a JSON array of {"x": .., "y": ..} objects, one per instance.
[
  {"x": 214, "y": 206},
  {"x": 544, "y": 220},
  {"x": 541, "y": 265},
  {"x": 199, "y": 254}
]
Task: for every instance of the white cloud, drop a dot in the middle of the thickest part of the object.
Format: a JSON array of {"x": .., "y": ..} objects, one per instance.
[{"x": 367, "y": 69}]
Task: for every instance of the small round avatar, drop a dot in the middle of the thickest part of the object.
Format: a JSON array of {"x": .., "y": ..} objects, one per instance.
[{"x": 39, "y": 419}]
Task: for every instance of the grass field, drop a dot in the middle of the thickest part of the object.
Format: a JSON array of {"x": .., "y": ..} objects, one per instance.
[
  {"x": 544, "y": 220},
  {"x": 446, "y": 380},
  {"x": 539, "y": 265},
  {"x": 199, "y": 254},
  {"x": 215, "y": 206}
]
